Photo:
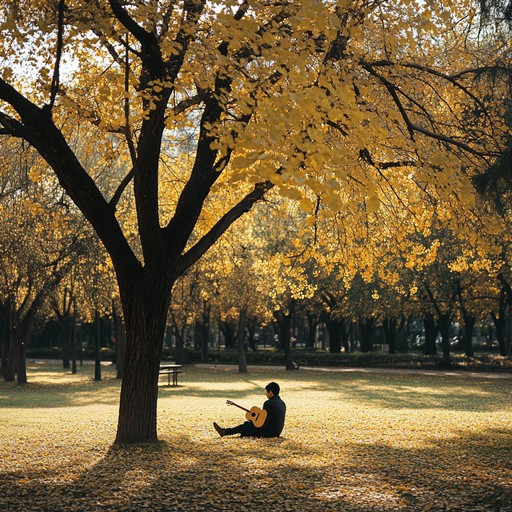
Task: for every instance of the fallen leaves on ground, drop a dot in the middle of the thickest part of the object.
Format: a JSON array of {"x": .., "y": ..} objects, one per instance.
[{"x": 352, "y": 442}]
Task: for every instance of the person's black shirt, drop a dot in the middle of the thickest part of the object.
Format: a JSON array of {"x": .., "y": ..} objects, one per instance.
[{"x": 276, "y": 412}]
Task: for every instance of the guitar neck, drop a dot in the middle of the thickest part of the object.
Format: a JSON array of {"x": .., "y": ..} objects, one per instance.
[{"x": 236, "y": 405}]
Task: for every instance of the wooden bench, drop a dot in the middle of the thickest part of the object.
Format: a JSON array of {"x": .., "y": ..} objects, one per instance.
[{"x": 171, "y": 370}]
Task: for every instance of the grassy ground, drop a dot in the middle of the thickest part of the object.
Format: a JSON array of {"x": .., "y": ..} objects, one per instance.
[{"x": 353, "y": 441}]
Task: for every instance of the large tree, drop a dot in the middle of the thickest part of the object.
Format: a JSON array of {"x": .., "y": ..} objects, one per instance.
[{"x": 193, "y": 96}]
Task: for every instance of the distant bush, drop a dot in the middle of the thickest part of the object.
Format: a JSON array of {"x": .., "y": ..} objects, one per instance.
[
  {"x": 106, "y": 354},
  {"x": 44, "y": 353},
  {"x": 272, "y": 357}
]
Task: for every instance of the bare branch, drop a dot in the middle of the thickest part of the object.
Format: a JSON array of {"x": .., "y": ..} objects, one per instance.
[
  {"x": 481, "y": 71},
  {"x": 392, "y": 89},
  {"x": 151, "y": 54},
  {"x": 242, "y": 10},
  {"x": 166, "y": 18},
  {"x": 54, "y": 88},
  {"x": 143, "y": 36},
  {"x": 121, "y": 188},
  {"x": 127, "y": 132},
  {"x": 451, "y": 79},
  {"x": 413, "y": 128}
]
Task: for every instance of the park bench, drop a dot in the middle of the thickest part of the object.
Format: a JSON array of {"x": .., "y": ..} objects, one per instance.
[{"x": 171, "y": 370}]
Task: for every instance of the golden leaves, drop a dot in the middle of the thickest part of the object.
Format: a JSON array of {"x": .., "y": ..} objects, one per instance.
[
  {"x": 352, "y": 441},
  {"x": 330, "y": 101},
  {"x": 301, "y": 105}
]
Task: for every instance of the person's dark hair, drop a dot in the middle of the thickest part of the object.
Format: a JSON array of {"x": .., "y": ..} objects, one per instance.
[{"x": 274, "y": 387}]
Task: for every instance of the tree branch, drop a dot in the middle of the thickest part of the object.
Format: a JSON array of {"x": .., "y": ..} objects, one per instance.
[
  {"x": 412, "y": 127},
  {"x": 186, "y": 103},
  {"x": 22, "y": 105},
  {"x": 151, "y": 55},
  {"x": 38, "y": 129},
  {"x": 121, "y": 188},
  {"x": 127, "y": 132},
  {"x": 143, "y": 36},
  {"x": 54, "y": 88},
  {"x": 451, "y": 79},
  {"x": 200, "y": 248},
  {"x": 242, "y": 10},
  {"x": 392, "y": 89},
  {"x": 10, "y": 126}
]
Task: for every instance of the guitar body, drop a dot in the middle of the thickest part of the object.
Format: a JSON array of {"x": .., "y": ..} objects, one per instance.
[{"x": 257, "y": 416}]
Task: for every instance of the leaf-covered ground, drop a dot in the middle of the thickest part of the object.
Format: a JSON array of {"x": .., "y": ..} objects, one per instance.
[{"x": 353, "y": 441}]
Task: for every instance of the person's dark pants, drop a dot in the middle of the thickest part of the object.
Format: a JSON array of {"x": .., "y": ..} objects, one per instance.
[{"x": 246, "y": 429}]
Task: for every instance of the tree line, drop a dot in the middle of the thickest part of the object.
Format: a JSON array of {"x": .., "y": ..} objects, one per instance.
[{"x": 272, "y": 282}]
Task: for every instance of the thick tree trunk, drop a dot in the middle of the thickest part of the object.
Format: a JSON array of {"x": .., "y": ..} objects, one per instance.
[
  {"x": 469, "y": 325},
  {"x": 97, "y": 347},
  {"x": 21, "y": 363},
  {"x": 367, "y": 326},
  {"x": 500, "y": 321},
  {"x": 469, "y": 322},
  {"x": 145, "y": 324},
  {"x": 9, "y": 349},
  {"x": 228, "y": 329},
  {"x": 430, "y": 327},
  {"x": 3, "y": 355},
  {"x": 333, "y": 327},
  {"x": 73, "y": 343},
  {"x": 120, "y": 334},
  {"x": 313, "y": 321},
  {"x": 9, "y": 372},
  {"x": 390, "y": 325},
  {"x": 444, "y": 321},
  {"x": 20, "y": 333},
  {"x": 5, "y": 340},
  {"x": 284, "y": 323},
  {"x": 21, "y": 330},
  {"x": 251, "y": 332},
  {"x": 345, "y": 329},
  {"x": 65, "y": 322},
  {"x": 500, "y": 326}
]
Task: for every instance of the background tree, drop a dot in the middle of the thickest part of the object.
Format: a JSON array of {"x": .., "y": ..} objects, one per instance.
[
  {"x": 235, "y": 289},
  {"x": 39, "y": 243}
]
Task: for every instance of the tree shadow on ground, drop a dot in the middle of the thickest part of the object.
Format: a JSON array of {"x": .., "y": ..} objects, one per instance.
[
  {"x": 60, "y": 395},
  {"x": 464, "y": 473}
]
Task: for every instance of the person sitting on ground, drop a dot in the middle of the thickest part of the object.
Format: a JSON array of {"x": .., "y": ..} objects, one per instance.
[{"x": 274, "y": 423}]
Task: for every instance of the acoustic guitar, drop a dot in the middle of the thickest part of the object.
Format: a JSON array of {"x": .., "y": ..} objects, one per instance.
[{"x": 254, "y": 414}]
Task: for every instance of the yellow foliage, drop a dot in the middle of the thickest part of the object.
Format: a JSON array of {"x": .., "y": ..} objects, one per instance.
[{"x": 332, "y": 102}]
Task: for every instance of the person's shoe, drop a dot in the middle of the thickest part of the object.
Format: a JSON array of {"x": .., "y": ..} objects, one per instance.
[{"x": 219, "y": 430}]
